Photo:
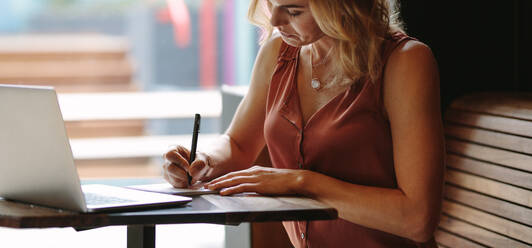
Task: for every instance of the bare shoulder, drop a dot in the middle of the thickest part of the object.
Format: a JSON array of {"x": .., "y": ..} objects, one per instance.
[
  {"x": 411, "y": 77},
  {"x": 410, "y": 54},
  {"x": 273, "y": 44},
  {"x": 412, "y": 62},
  {"x": 269, "y": 51},
  {"x": 266, "y": 60}
]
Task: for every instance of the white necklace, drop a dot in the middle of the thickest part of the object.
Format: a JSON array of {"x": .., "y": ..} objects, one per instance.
[{"x": 315, "y": 82}]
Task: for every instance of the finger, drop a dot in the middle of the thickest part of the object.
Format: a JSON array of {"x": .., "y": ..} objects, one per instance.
[
  {"x": 241, "y": 188},
  {"x": 197, "y": 170},
  {"x": 174, "y": 182},
  {"x": 177, "y": 183},
  {"x": 176, "y": 172},
  {"x": 183, "y": 152},
  {"x": 233, "y": 181},
  {"x": 208, "y": 172},
  {"x": 222, "y": 178},
  {"x": 177, "y": 158},
  {"x": 165, "y": 176},
  {"x": 201, "y": 168},
  {"x": 255, "y": 170},
  {"x": 227, "y": 176}
]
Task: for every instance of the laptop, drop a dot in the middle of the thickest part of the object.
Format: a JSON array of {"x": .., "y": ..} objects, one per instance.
[{"x": 37, "y": 165}]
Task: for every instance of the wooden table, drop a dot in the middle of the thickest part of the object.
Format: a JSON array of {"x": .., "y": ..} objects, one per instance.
[{"x": 212, "y": 209}]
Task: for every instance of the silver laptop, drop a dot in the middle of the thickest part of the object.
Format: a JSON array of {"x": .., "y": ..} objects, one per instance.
[{"x": 36, "y": 162}]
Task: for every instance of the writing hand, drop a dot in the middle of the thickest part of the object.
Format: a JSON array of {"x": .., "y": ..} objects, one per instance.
[{"x": 176, "y": 168}]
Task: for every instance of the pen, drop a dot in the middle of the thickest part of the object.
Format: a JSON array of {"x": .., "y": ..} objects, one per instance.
[{"x": 197, "y": 119}]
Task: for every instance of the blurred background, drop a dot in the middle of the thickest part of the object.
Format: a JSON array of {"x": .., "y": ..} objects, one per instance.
[
  {"x": 130, "y": 75},
  {"x": 132, "y": 70},
  {"x": 161, "y": 38}
]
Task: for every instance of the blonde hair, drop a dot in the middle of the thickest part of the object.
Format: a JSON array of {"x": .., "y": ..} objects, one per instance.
[{"x": 359, "y": 27}]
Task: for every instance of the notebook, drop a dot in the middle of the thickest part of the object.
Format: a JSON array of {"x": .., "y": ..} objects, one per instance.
[
  {"x": 167, "y": 188},
  {"x": 36, "y": 162}
]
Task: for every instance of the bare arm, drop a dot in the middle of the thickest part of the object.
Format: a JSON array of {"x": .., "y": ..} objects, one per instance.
[
  {"x": 245, "y": 134},
  {"x": 411, "y": 98},
  {"x": 240, "y": 145}
]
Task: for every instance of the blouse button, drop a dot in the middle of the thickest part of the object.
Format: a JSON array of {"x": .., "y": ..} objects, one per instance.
[{"x": 302, "y": 236}]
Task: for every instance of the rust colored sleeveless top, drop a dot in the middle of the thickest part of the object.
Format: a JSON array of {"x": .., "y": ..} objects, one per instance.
[{"x": 348, "y": 138}]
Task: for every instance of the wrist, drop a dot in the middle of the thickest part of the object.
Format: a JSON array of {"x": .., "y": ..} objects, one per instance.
[{"x": 303, "y": 182}]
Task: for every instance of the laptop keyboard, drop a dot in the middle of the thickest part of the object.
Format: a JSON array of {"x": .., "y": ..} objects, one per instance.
[{"x": 97, "y": 199}]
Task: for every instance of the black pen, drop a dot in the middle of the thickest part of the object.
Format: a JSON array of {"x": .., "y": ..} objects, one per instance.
[{"x": 197, "y": 119}]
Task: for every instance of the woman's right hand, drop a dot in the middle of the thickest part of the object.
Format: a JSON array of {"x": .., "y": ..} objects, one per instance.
[{"x": 176, "y": 167}]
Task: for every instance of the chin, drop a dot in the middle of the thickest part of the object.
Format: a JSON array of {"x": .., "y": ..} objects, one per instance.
[{"x": 291, "y": 41}]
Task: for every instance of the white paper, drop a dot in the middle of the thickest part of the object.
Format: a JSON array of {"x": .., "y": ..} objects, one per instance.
[{"x": 167, "y": 188}]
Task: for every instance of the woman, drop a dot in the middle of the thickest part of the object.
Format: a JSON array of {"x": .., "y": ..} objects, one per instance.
[{"x": 348, "y": 106}]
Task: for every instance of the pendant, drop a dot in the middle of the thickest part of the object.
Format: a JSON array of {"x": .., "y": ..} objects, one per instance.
[{"x": 315, "y": 83}]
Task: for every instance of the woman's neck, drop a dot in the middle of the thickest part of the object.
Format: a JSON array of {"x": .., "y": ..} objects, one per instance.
[{"x": 322, "y": 47}]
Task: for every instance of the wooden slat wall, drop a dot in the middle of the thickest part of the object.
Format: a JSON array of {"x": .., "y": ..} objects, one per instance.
[
  {"x": 488, "y": 198},
  {"x": 489, "y": 122},
  {"x": 450, "y": 240},
  {"x": 462, "y": 230},
  {"x": 511, "y": 104}
]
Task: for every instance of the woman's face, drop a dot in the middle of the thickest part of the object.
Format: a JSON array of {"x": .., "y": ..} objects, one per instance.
[{"x": 294, "y": 21}]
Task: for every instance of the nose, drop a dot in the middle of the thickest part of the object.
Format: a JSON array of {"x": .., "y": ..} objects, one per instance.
[{"x": 277, "y": 18}]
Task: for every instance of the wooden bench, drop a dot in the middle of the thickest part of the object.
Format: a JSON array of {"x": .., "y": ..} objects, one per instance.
[{"x": 488, "y": 194}]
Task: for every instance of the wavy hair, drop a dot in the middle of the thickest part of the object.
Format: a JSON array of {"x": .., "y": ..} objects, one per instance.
[{"x": 359, "y": 27}]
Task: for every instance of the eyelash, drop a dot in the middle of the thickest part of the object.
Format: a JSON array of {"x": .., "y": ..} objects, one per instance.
[{"x": 294, "y": 13}]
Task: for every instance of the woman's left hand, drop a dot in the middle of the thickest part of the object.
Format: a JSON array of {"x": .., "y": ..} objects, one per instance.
[{"x": 262, "y": 180}]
